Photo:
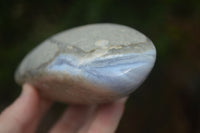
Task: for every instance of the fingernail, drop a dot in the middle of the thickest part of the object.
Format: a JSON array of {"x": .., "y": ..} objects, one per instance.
[
  {"x": 123, "y": 100},
  {"x": 25, "y": 90}
]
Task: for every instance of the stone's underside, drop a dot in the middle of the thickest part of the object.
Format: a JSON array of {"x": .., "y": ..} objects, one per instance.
[{"x": 95, "y": 63}]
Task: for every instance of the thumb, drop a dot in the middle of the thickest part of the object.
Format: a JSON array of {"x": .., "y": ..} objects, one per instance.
[{"x": 22, "y": 114}]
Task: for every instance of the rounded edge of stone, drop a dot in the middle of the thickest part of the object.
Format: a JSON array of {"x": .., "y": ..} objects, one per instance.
[{"x": 32, "y": 61}]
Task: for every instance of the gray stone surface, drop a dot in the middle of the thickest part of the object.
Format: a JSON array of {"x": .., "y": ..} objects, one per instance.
[{"x": 89, "y": 64}]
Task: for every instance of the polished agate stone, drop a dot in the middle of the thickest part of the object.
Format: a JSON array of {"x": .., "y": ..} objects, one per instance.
[{"x": 91, "y": 64}]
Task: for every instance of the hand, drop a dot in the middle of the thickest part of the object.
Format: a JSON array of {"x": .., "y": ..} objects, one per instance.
[{"x": 24, "y": 115}]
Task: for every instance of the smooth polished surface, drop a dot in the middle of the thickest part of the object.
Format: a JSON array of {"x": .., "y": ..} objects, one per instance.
[{"x": 89, "y": 64}]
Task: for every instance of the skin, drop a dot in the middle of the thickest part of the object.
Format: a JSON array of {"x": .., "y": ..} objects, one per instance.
[{"x": 24, "y": 115}]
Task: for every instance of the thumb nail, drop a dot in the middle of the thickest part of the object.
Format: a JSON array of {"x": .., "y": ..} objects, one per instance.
[{"x": 26, "y": 89}]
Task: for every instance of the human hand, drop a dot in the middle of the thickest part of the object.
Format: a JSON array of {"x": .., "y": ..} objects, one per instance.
[{"x": 24, "y": 115}]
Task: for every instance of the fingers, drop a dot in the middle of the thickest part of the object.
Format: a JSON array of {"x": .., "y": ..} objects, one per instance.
[
  {"x": 24, "y": 114},
  {"x": 108, "y": 117},
  {"x": 91, "y": 119},
  {"x": 73, "y": 119}
]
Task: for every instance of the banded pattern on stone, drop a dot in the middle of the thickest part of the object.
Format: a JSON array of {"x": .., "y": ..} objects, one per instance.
[{"x": 95, "y": 63}]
